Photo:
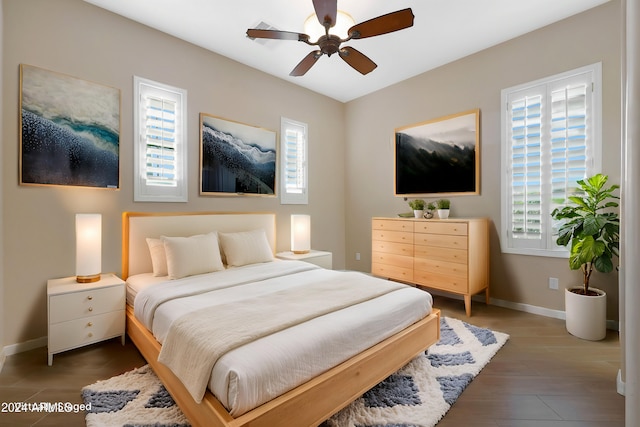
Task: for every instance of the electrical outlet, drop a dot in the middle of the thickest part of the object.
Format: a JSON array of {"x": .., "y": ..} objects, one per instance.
[
  {"x": 553, "y": 283},
  {"x": 357, "y": 256}
]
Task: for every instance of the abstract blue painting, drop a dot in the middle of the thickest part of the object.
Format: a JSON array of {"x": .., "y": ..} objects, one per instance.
[
  {"x": 70, "y": 130},
  {"x": 237, "y": 159}
]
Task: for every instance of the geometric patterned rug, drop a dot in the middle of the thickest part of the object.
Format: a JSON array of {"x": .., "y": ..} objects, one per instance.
[
  {"x": 422, "y": 392},
  {"x": 418, "y": 395}
]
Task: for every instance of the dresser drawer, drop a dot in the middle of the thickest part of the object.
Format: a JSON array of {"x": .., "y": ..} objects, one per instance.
[
  {"x": 74, "y": 333},
  {"x": 441, "y": 241},
  {"x": 63, "y": 307},
  {"x": 392, "y": 236},
  {"x": 392, "y": 259},
  {"x": 452, "y": 228},
  {"x": 441, "y": 281},
  {"x": 392, "y": 272},
  {"x": 441, "y": 254},
  {"x": 390, "y": 225},
  {"x": 392, "y": 248},
  {"x": 441, "y": 267}
]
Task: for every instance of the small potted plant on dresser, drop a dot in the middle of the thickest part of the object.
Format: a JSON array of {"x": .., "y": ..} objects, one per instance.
[
  {"x": 592, "y": 231},
  {"x": 418, "y": 207},
  {"x": 443, "y": 206},
  {"x": 430, "y": 208}
]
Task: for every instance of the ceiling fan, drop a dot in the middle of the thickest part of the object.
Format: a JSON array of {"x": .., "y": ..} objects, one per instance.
[{"x": 326, "y": 11}]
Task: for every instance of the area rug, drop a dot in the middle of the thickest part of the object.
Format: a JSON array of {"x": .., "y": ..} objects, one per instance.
[{"x": 418, "y": 395}]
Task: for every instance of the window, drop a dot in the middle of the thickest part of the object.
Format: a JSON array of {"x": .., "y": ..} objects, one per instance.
[
  {"x": 160, "y": 154},
  {"x": 550, "y": 139},
  {"x": 293, "y": 175}
]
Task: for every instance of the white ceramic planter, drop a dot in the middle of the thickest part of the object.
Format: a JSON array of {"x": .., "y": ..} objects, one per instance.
[
  {"x": 418, "y": 213},
  {"x": 586, "y": 315},
  {"x": 443, "y": 213}
]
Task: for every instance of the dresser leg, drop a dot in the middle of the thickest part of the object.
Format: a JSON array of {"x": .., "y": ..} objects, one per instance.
[
  {"x": 486, "y": 296},
  {"x": 123, "y": 335},
  {"x": 50, "y": 359},
  {"x": 467, "y": 305}
]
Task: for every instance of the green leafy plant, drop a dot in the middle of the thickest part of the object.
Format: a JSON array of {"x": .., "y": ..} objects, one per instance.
[
  {"x": 417, "y": 204},
  {"x": 431, "y": 206},
  {"x": 590, "y": 227},
  {"x": 443, "y": 204}
]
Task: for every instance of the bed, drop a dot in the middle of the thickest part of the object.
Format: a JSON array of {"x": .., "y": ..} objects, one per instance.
[{"x": 311, "y": 400}]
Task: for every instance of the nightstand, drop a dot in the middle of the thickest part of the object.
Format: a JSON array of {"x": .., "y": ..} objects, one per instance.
[
  {"x": 319, "y": 258},
  {"x": 80, "y": 314}
]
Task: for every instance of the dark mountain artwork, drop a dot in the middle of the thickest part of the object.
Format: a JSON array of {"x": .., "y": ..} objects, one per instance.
[{"x": 427, "y": 166}]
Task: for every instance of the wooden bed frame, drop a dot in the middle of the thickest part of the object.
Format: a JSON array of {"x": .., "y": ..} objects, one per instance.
[{"x": 306, "y": 405}]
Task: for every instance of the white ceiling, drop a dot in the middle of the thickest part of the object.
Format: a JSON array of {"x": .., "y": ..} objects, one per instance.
[{"x": 443, "y": 31}]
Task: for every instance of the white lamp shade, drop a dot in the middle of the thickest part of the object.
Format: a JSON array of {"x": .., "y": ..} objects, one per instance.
[
  {"x": 88, "y": 247},
  {"x": 300, "y": 234}
]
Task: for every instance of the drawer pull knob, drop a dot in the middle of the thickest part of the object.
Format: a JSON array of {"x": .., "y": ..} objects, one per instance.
[
  {"x": 90, "y": 324},
  {"x": 90, "y": 308},
  {"x": 89, "y": 297},
  {"x": 90, "y": 334}
]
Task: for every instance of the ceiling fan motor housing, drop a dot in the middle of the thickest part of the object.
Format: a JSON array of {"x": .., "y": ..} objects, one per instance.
[{"x": 329, "y": 44}]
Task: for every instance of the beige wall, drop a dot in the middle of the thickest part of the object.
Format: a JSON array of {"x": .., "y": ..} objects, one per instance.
[
  {"x": 79, "y": 39},
  {"x": 476, "y": 82}
]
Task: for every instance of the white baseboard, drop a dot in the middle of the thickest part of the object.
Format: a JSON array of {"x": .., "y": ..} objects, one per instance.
[
  {"x": 620, "y": 383},
  {"x": 25, "y": 346},
  {"x": 527, "y": 308}
]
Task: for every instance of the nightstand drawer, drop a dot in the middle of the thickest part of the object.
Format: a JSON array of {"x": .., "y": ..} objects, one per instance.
[
  {"x": 63, "y": 307},
  {"x": 74, "y": 333}
]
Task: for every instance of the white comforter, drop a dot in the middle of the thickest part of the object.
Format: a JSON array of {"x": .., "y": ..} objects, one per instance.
[{"x": 254, "y": 373}]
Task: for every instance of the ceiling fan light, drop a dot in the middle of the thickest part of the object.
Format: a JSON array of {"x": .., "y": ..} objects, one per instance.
[{"x": 312, "y": 26}]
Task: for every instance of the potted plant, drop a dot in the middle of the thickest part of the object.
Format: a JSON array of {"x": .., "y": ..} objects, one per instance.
[
  {"x": 430, "y": 208},
  {"x": 443, "y": 206},
  {"x": 418, "y": 207},
  {"x": 592, "y": 230}
]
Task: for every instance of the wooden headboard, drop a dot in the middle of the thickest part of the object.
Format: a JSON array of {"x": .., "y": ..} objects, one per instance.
[{"x": 137, "y": 226}]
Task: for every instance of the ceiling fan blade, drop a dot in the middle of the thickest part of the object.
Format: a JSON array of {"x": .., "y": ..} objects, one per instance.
[
  {"x": 326, "y": 11},
  {"x": 275, "y": 34},
  {"x": 306, "y": 63},
  {"x": 359, "y": 61},
  {"x": 384, "y": 24}
]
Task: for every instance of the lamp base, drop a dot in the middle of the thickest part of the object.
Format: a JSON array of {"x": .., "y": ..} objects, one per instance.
[
  {"x": 88, "y": 279},
  {"x": 301, "y": 252}
]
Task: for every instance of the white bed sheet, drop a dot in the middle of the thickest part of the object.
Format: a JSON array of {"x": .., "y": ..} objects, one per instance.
[{"x": 253, "y": 374}]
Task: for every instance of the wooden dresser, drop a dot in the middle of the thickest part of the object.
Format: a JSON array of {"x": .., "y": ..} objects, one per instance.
[{"x": 450, "y": 255}]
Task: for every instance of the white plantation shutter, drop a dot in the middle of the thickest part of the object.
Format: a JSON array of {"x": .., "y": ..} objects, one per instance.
[
  {"x": 159, "y": 136},
  {"x": 551, "y": 139},
  {"x": 160, "y": 153},
  {"x": 293, "y": 162}
]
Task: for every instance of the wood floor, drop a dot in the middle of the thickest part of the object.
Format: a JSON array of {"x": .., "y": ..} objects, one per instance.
[{"x": 542, "y": 377}]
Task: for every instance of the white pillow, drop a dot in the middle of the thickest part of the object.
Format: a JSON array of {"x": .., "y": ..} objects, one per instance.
[
  {"x": 187, "y": 256},
  {"x": 246, "y": 247},
  {"x": 158, "y": 256}
]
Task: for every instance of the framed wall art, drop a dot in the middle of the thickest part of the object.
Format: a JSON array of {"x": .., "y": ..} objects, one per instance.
[
  {"x": 439, "y": 157},
  {"x": 69, "y": 130},
  {"x": 236, "y": 159}
]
